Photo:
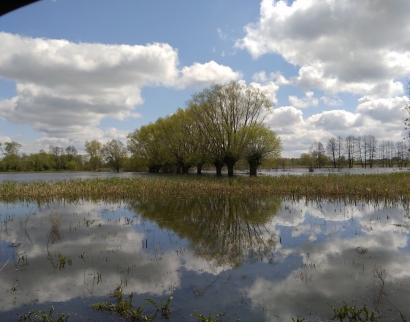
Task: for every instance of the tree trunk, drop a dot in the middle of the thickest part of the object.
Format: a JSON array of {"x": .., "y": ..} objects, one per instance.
[
  {"x": 253, "y": 169},
  {"x": 199, "y": 168},
  {"x": 230, "y": 162},
  {"x": 218, "y": 166}
]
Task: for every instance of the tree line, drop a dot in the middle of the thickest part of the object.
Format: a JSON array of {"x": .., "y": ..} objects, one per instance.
[
  {"x": 113, "y": 154},
  {"x": 220, "y": 126},
  {"x": 363, "y": 151}
]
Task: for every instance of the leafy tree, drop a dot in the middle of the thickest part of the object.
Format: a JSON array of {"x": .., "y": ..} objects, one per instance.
[
  {"x": 95, "y": 151},
  {"x": 176, "y": 133},
  {"x": 225, "y": 114},
  {"x": 115, "y": 154},
  {"x": 71, "y": 165},
  {"x": 263, "y": 144},
  {"x": 146, "y": 147},
  {"x": 71, "y": 152}
]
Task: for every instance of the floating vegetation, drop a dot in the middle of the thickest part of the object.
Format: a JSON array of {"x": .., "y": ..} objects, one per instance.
[
  {"x": 43, "y": 316},
  {"x": 352, "y": 313},
  {"x": 393, "y": 186},
  {"x": 209, "y": 318},
  {"x": 124, "y": 308}
]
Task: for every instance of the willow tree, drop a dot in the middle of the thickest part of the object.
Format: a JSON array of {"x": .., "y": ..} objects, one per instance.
[
  {"x": 115, "y": 154},
  {"x": 146, "y": 147},
  {"x": 263, "y": 144},
  {"x": 225, "y": 113},
  {"x": 176, "y": 137},
  {"x": 95, "y": 151}
]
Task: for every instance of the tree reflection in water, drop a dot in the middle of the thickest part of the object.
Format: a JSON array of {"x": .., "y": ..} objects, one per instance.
[{"x": 224, "y": 229}]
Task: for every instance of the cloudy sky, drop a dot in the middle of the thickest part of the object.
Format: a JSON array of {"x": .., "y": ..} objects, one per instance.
[{"x": 72, "y": 71}]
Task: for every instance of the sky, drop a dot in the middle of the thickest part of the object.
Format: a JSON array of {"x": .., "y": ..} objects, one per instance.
[{"x": 75, "y": 71}]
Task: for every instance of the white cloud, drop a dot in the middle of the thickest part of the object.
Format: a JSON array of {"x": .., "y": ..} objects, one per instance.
[
  {"x": 64, "y": 88},
  {"x": 331, "y": 101},
  {"x": 379, "y": 117},
  {"x": 358, "y": 47},
  {"x": 198, "y": 75},
  {"x": 307, "y": 101}
]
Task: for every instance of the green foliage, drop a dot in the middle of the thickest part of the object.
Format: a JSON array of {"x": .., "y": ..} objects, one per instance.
[
  {"x": 42, "y": 316},
  {"x": 71, "y": 165},
  {"x": 209, "y": 318},
  {"x": 350, "y": 314},
  {"x": 115, "y": 154},
  {"x": 124, "y": 308}
]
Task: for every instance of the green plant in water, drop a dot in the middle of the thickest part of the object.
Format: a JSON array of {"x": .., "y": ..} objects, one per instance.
[
  {"x": 43, "y": 316},
  {"x": 348, "y": 313},
  {"x": 124, "y": 308},
  {"x": 298, "y": 319},
  {"x": 209, "y": 318},
  {"x": 62, "y": 260}
]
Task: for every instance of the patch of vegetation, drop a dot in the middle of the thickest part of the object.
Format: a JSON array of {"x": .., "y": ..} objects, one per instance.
[
  {"x": 353, "y": 313},
  {"x": 124, "y": 308},
  {"x": 209, "y": 318},
  {"x": 374, "y": 187},
  {"x": 43, "y": 316}
]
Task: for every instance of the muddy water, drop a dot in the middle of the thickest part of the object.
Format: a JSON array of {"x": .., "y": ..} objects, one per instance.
[{"x": 263, "y": 259}]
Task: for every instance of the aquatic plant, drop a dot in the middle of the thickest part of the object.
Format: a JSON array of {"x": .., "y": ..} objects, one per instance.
[
  {"x": 124, "y": 308},
  {"x": 393, "y": 186},
  {"x": 209, "y": 318},
  {"x": 353, "y": 313},
  {"x": 43, "y": 316}
]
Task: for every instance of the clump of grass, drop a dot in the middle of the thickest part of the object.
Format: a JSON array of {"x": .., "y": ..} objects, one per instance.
[
  {"x": 43, "y": 316},
  {"x": 124, "y": 308},
  {"x": 209, "y": 318},
  {"x": 353, "y": 313},
  {"x": 394, "y": 186}
]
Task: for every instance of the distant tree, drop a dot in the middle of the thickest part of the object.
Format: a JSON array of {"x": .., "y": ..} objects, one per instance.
[
  {"x": 318, "y": 154},
  {"x": 11, "y": 160},
  {"x": 115, "y": 154},
  {"x": 146, "y": 147},
  {"x": 95, "y": 151},
  {"x": 71, "y": 152},
  {"x": 350, "y": 150},
  {"x": 71, "y": 165},
  {"x": 11, "y": 148},
  {"x": 263, "y": 143},
  {"x": 331, "y": 148},
  {"x": 225, "y": 113}
]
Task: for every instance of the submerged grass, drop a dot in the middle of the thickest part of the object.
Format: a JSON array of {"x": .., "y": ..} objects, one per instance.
[{"x": 394, "y": 186}]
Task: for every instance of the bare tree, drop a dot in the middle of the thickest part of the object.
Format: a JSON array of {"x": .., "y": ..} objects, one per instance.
[
  {"x": 350, "y": 149},
  {"x": 331, "y": 150}
]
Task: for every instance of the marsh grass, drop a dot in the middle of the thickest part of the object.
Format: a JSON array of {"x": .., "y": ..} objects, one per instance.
[
  {"x": 125, "y": 309},
  {"x": 374, "y": 187}
]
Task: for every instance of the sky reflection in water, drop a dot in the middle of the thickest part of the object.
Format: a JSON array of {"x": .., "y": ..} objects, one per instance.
[{"x": 257, "y": 259}]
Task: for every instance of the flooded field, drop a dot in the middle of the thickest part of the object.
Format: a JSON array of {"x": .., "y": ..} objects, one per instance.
[{"x": 257, "y": 259}]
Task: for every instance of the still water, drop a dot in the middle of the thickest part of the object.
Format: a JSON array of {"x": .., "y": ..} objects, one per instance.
[
  {"x": 264, "y": 259},
  {"x": 56, "y": 176}
]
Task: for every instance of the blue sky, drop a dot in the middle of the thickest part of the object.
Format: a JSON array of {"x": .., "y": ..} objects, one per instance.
[{"x": 72, "y": 71}]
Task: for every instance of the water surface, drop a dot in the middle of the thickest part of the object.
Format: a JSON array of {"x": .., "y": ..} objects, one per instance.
[{"x": 257, "y": 259}]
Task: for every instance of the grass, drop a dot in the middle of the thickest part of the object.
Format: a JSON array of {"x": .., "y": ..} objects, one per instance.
[{"x": 395, "y": 187}]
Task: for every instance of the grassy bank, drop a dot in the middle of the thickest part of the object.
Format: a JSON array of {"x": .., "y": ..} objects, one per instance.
[{"x": 395, "y": 187}]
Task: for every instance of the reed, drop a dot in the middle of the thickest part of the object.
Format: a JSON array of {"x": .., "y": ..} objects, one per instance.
[{"x": 377, "y": 187}]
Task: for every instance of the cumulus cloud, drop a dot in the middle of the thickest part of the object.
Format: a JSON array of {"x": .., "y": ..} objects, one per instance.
[
  {"x": 359, "y": 47},
  {"x": 64, "y": 88},
  {"x": 198, "y": 75},
  {"x": 375, "y": 116},
  {"x": 307, "y": 101}
]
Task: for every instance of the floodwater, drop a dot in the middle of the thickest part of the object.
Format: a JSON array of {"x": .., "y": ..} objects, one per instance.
[
  {"x": 56, "y": 176},
  {"x": 264, "y": 259}
]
